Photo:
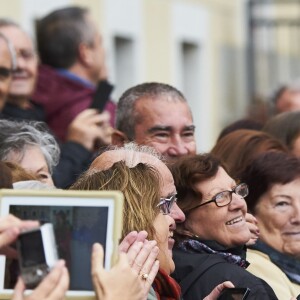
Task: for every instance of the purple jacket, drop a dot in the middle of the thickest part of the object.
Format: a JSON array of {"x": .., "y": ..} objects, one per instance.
[{"x": 63, "y": 99}]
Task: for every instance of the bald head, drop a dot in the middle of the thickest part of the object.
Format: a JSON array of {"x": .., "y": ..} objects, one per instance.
[{"x": 132, "y": 155}]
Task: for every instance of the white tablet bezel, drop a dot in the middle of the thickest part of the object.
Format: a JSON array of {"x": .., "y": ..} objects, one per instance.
[{"x": 111, "y": 199}]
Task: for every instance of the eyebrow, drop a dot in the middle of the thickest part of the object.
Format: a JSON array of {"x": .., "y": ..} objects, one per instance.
[
  {"x": 168, "y": 128},
  {"x": 159, "y": 128},
  {"x": 43, "y": 168}
]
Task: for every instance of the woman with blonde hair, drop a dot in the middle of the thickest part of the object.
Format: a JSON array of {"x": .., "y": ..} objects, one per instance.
[{"x": 150, "y": 195}]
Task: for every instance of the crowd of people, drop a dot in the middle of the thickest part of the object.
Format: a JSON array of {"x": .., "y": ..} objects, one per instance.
[{"x": 193, "y": 224}]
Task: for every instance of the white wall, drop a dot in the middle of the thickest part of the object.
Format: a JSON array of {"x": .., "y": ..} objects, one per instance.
[
  {"x": 32, "y": 9},
  {"x": 191, "y": 25},
  {"x": 123, "y": 19}
]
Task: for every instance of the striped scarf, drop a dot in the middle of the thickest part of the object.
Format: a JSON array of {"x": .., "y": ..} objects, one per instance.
[{"x": 196, "y": 246}]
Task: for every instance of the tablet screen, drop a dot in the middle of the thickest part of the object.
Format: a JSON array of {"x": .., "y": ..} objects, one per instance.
[
  {"x": 79, "y": 218},
  {"x": 76, "y": 230}
]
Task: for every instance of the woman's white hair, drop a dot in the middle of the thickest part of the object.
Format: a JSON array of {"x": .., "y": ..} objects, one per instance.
[{"x": 16, "y": 136}]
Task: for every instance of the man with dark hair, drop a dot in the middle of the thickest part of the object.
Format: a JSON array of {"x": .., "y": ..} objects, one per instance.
[
  {"x": 157, "y": 115},
  {"x": 70, "y": 77}
]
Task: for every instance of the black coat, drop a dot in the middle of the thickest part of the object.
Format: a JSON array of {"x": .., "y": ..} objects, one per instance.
[{"x": 199, "y": 273}]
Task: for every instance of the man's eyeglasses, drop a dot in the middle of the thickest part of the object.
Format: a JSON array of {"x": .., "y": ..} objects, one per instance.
[
  {"x": 165, "y": 204},
  {"x": 5, "y": 72},
  {"x": 224, "y": 198}
]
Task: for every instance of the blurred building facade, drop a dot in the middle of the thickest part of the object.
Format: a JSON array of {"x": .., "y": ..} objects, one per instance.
[
  {"x": 274, "y": 49},
  {"x": 199, "y": 46}
]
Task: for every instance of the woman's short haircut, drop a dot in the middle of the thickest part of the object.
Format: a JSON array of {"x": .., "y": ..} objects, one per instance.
[
  {"x": 141, "y": 188},
  {"x": 237, "y": 149},
  {"x": 16, "y": 136},
  {"x": 265, "y": 171},
  {"x": 188, "y": 172},
  {"x": 240, "y": 124}
]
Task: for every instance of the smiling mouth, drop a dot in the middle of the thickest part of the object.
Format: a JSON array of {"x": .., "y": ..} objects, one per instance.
[
  {"x": 292, "y": 233},
  {"x": 16, "y": 76},
  {"x": 235, "y": 220}
]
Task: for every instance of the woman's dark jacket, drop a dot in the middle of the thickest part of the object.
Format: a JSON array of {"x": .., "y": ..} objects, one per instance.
[{"x": 199, "y": 273}]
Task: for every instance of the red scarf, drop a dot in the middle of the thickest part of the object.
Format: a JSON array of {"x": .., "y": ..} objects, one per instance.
[{"x": 166, "y": 288}]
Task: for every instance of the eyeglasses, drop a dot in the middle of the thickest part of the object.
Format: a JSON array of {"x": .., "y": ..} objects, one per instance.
[
  {"x": 224, "y": 198},
  {"x": 5, "y": 72},
  {"x": 165, "y": 204}
]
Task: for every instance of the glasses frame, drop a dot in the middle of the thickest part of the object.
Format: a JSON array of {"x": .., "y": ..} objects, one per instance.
[
  {"x": 169, "y": 201},
  {"x": 230, "y": 191}
]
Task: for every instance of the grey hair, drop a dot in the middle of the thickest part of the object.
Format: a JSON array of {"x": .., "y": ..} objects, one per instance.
[
  {"x": 5, "y": 22},
  {"x": 130, "y": 153},
  {"x": 134, "y": 151},
  {"x": 16, "y": 136},
  {"x": 11, "y": 50},
  {"x": 127, "y": 117}
]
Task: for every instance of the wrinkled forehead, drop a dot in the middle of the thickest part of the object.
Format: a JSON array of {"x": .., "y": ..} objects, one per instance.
[{"x": 131, "y": 158}]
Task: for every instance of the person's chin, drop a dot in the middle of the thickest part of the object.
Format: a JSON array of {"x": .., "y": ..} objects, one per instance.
[
  {"x": 292, "y": 248},
  {"x": 240, "y": 239}
]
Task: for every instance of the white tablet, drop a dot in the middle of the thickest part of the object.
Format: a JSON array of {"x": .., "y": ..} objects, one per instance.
[{"x": 80, "y": 218}]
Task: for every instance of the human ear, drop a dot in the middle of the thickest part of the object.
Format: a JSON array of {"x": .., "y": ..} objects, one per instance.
[
  {"x": 118, "y": 138},
  {"x": 85, "y": 54}
]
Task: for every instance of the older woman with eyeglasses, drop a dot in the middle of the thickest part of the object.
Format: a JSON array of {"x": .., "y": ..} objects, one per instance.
[
  {"x": 210, "y": 242},
  {"x": 150, "y": 198}
]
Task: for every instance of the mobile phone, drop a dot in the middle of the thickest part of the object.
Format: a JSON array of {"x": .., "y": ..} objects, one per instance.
[
  {"x": 234, "y": 294},
  {"x": 37, "y": 254},
  {"x": 102, "y": 95}
]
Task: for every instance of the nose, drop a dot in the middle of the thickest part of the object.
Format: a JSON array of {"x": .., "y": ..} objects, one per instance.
[
  {"x": 177, "y": 147},
  {"x": 21, "y": 62},
  {"x": 295, "y": 219},
  {"x": 237, "y": 202},
  {"x": 177, "y": 214}
]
